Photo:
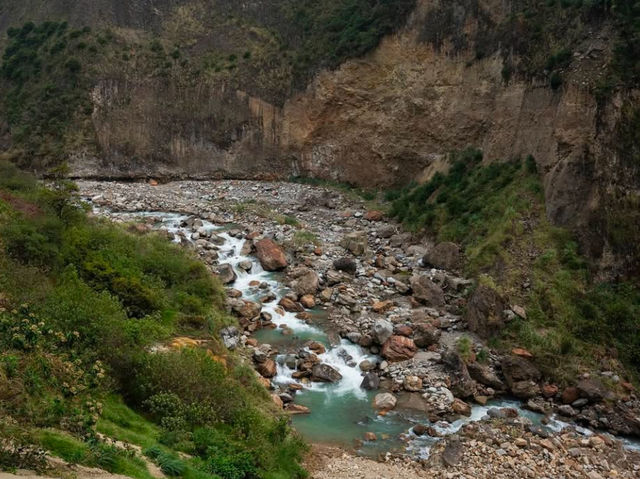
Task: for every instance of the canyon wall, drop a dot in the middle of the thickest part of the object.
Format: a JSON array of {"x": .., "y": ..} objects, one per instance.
[{"x": 381, "y": 120}]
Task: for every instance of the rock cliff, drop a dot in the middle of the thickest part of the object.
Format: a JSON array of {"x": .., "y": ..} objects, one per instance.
[{"x": 379, "y": 120}]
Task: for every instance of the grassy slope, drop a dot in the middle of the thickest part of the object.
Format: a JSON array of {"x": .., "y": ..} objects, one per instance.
[
  {"x": 80, "y": 302},
  {"x": 497, "y": 213}
]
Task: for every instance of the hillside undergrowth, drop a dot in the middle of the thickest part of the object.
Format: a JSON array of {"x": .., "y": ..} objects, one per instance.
[
  {"x": 81, "y": 302},
  {"x": 496, "y": 212}
]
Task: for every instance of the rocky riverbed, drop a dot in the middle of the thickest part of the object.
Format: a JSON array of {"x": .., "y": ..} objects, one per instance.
[{"x": 334, "y": 301}]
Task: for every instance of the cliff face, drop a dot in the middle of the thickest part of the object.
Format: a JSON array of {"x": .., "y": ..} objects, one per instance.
[{"x": 381, "y": 120}]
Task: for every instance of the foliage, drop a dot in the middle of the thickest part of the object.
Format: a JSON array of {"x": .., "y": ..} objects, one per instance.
[
  {"x": 496, "y": 211},
  {"x": 81, "y": 302},
  {"x": 43, "y": 89}
]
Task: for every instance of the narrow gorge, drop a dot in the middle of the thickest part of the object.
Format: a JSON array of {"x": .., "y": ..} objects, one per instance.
[{"x": 319, "y": 238}]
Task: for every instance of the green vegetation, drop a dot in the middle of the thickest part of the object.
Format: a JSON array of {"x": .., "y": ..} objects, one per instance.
[
  {"x": 44, "y": 90},
  {"x": 81, "y": 301},
  {"x": 305, "y": 237},
  {"x": 496, "y": 212},
  {"x": 348, "y": 188},
  {"x": 543, "y": 36}
]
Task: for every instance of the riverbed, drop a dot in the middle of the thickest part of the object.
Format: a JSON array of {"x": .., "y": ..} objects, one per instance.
[{"x": 341, "y": 412}]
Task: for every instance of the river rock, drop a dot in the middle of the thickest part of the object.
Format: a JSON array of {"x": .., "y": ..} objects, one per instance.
[
  {"x": 267, "y": 368},
  {"x": 444, "y": 255},
  {"x": 398, "y": 348},
  {"x": 230, "y": 337},
  {"x": 461, "y": 383},
  {"x": 412, "y": 383},
  {"x": 374, "y": 215},
  {"x": 289, "y": 305},
  {"x": 355, "y": 242},
  {"x": 384, "y": 401},
  {"x": 591, "y": 389},
  {"x": 370, "y": 382},
  {"x": 348, "y": 265},
  {"x": 325, "y": 373},
  {"x": 452, "y": 453},
  {"x": 483, "y": 374},
  {"x": 484, "y": 313},
  {"x": 297, "y": 409},
  {"x": 271, "y": 255},
  {"x": 306, "y": 283},
  {"x": 225, "y": 273},
  {"x": 460, "y": 407},
  {"x": 426, "y": 334},
  {"x": 521, "y": 376},
  {"x": 245, "y": 309},
  {"x": 245, "y": 265},
  {"x": 366, "y": 365},
  {"x": 426, "y": 291},
  {"x": 382, "y": 330},
  {"x": 308, "y": 301}
]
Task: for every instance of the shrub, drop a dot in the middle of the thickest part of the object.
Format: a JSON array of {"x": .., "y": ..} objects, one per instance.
[{"x": 73, "y": 65}]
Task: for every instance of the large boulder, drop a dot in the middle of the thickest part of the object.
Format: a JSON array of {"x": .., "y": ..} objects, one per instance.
[
  {"x": 267, "y": 368},
  {"x": 426, "y": 291},
  {"x": 355, "y": 242},
  {"x": 485, "y": 312},
  {"x": 244, "y": 309},
  {"x": 483, "y": 374},
  {"x": 305, "y": 281},
  {"x": 290, "y": 305},
  {"x": 444, "y": 255},
  {"x": 230, "y": 337},
  {"x": 382, "y": 330},
  {"x": 348, "y": 265},
  {"x": 521, "y": 376},
  {"x": 592, "y": 389},
  {"x": 325, "y": 373},
  {"x": 384, "y": 401},
  {"x": 225, "y": 273},
  {"x": 461, "y": 383},
  {"x": 398, "y": 348},
  {"x": 370, "y": 382},
  {"x": 271, "y": 255},
  {"x": 426, "y": 334}
]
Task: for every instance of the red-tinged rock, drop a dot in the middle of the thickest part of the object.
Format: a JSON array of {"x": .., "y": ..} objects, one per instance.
[
  {"x": 252, "y": 235},
  {"x": 297, "y": 409},
  {"x": 403, "y": 330},
  {"x": 570, "y": 395},
  {"x": 277, "y": 401},
  {"x": 308, "y": 301},
  {"x": 461, "y": 407},
  {"x": 267, "y": 369},
  {"x": 399, "y": 348},
  {"x": 374, "y": 215},
  {"x": 382, "y": 306},
  {"x": 628, "y": 386},
  {"x": 291, "y": 306},
  {"x": 523, "y": 353},
  {"x": 549, "y": 390},
  {"x": 271, "y": 255},
  {"x": 370, "y": 436}
]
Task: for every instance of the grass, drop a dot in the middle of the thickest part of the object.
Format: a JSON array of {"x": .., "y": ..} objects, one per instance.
[
  {"x": 496, "y": 212},
  {"x": 304, "y": 237},
  {"x": 74, "y": 451},
  {"x": 120, "y": 422},
  {"x": 82, "y": 301}
]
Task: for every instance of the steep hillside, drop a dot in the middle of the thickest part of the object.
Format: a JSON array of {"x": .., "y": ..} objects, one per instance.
[{"x": 221, "y": 89}]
